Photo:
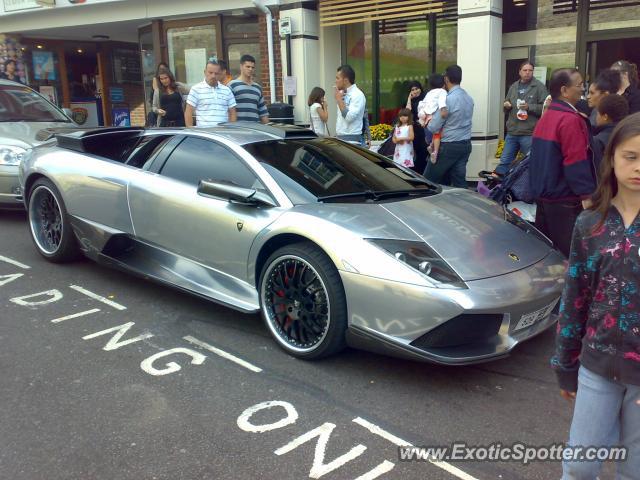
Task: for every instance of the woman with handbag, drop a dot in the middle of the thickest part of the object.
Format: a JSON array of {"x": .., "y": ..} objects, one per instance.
[{"x": 318, "y": 111}]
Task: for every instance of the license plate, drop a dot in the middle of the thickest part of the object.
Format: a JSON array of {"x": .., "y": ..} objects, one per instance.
[{"x": 529, "y": 319}]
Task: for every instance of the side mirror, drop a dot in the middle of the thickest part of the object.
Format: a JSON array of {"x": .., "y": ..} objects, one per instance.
[{"x": 234, "y": 193}]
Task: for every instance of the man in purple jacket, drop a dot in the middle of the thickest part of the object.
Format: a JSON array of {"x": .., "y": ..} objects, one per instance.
[{"x": 562, "y": 176}]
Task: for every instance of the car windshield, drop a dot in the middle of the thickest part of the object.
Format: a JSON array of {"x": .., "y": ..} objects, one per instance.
[
  {"x": 21, "y": 104},
  {"x": 326, "y": 169}
]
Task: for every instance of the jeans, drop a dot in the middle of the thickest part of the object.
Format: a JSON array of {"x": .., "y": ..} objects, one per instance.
[
  {"x": 556, "y": 221},
  {"x": 513, "y": 144},
  {"x": 451, "y": 166},
  {"x": 606, "y": 413},
  {"x": 357, "y": 139}
]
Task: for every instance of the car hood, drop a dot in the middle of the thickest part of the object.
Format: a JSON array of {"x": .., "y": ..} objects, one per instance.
[
  {"x": 30, "y": 134},
  {"x": 467, "y": 230}
]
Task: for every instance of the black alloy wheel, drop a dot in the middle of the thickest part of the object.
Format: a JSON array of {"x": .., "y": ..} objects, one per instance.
[
  {"x": 50, "y": 228},
  {"x": 303, "y": 301}
]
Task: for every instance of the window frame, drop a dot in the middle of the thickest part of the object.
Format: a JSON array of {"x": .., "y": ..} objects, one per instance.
[{"x": 161, "y": 164}]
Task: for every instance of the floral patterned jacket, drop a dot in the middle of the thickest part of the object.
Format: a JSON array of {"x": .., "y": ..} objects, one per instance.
[{"x": 599, "y": 324}]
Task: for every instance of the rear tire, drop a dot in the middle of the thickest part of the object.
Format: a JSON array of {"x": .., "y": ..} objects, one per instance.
[
  {"x": 49, "y": 224},
  {"x": 303, "y": 302}
]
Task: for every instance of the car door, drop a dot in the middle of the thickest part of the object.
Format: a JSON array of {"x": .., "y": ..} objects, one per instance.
[{"x": 168, "y": 212}]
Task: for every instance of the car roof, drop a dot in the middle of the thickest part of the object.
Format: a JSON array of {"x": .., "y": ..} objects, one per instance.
[
  {"x": 12, "y": 83},
  {"x": 243, "y": 133},
  {"x": 239, "y": 133}
]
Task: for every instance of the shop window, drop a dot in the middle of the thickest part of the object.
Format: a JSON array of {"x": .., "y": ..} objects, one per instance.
[
  {"x": 520, "y": 15},
  {"x": 359, "y": 54},
  {"x": 406, "y": 51},
  {"x": 404, "y": 57},
  {"x": 235, "y": 52},
  {"x": 189, "y": 48},
  {"x": 446, "y": 43},
  {"x": 148, "y": 64}
]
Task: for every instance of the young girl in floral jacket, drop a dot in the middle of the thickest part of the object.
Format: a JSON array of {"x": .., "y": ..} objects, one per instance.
[{"x": 598, "y": 337}]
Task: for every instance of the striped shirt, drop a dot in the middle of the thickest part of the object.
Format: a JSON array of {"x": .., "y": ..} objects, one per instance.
[
  {"x": 211, "y": 104},
  {"x": 250, "y": 101}
]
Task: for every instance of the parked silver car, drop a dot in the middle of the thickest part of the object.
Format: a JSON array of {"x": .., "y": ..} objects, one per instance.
[
  {"x": 24, "y": 114},
  {"x": 333, "y": 244}
]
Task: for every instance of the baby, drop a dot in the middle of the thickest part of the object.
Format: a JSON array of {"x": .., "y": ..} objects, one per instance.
[{"x": 434, "y": 100}]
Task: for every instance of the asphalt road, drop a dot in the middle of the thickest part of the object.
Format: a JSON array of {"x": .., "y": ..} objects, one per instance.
[{"x": 88, "y": 390}]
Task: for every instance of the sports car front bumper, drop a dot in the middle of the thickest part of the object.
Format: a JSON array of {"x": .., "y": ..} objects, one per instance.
[
  {"x": 453, "y": 326},
  {"x": 10, "y": 191}
]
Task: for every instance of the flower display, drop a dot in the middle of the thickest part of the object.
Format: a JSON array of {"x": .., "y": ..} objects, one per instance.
[{"x": 380, "y": 131}]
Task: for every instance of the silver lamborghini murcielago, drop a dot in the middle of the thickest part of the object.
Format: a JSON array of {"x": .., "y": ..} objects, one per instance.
[{"x": 333, "y": 244}]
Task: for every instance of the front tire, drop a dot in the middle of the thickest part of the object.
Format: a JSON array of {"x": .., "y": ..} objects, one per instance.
[
  {"x": 303, "y": 302},
  {"x": 51, "y": 230}
]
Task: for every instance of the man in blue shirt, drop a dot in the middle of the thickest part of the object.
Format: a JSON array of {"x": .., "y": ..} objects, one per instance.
[{"x": 455, "y": 146}]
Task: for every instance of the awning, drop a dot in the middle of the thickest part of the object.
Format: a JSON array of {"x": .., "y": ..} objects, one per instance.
[{"x": 342, "y": 12}]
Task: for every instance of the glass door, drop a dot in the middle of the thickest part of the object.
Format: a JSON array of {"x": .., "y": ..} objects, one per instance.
[
  {"x": 242, "y": 37},
  {"x": 148, "y": 64}
]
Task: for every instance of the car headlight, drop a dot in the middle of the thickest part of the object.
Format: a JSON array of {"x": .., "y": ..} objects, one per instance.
[
  {"x": 10, "y": 155},
  {"x": 420, "y": 257}
]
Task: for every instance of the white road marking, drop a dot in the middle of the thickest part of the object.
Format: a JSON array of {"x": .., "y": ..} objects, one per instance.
[
  {"x": 14, "y": 263},
  {"x": 319, "y": 468},
  {"x": 4, "y": 279},
  {"x": 115, "y": 343},
  {"x": 244, "y": 423},
  {"x": 376, "y": 430},
  {"x": 54, "y": 295},
  {"x": 223, "y": 354},
  {"x": 95, "y": 296},
  {"x": 75, "y": 315},
  {"x": 381, "y": 469},
  {"x": 147, "y": 364}
]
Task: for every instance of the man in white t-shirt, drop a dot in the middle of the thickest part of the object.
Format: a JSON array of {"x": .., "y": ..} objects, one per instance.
[
  {"x": 210, "y": 101},
  {"x": 351, "y": 106}
]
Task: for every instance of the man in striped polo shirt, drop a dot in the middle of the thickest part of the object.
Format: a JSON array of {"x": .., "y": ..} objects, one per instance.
[
  {"x": 210, "y": 101},
  {"x": 251, "y": 106}
]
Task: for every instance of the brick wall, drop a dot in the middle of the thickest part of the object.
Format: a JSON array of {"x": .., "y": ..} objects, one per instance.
[
  {"x": 134, "y": 96},
  {"x": 264, "y": 62}
]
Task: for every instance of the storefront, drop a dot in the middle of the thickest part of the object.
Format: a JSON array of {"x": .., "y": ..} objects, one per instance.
[
  {"x": 391, "y": 43},
  {"x": 105, "y": 52},
  {"x": 402, "y": 42},
  {"x": 71, "y": 50},
  {"x": 590, "y": 34}
]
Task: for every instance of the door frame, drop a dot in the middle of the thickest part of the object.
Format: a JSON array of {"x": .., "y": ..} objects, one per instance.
[
  {"x": 237, "y": 38},
  {"x": 585, "y": 36},
  {"x": 190, "y": 22}
]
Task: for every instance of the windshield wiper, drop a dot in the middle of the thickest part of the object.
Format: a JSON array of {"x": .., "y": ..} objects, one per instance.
[
  {"x": 374, "y": 195},
  {"x": 366, "y": 194}
]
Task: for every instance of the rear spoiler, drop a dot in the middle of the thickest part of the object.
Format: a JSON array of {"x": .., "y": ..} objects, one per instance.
[{"x": 79, "y": 139}]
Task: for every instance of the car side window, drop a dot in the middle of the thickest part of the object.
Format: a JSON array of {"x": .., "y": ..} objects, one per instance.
[
  {"x": 146, "y": 149},
  {"x": 198, "y": 159}
]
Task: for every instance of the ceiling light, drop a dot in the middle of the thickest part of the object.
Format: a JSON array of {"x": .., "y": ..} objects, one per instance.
[
  {"x": 79, "y": 50},
  {"x": 39, "y": 46}
]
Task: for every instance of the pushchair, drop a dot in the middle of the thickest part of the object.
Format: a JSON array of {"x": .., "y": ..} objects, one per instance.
[{"x": 511, "y": 190}]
